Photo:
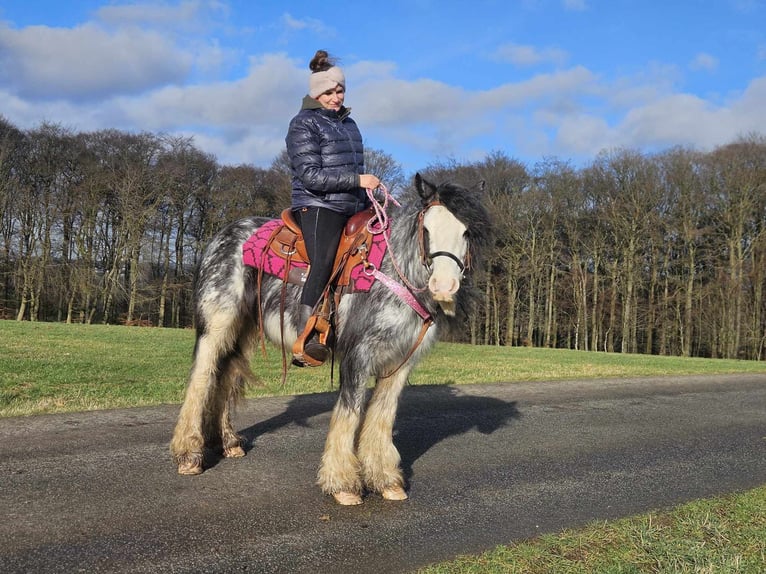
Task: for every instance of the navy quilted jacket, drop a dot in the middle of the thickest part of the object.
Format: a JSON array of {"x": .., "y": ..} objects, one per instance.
[{"x": 327, "y": 156}]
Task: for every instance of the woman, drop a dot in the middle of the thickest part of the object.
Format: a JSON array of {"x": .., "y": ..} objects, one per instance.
[{"x": 326, "y": 155}]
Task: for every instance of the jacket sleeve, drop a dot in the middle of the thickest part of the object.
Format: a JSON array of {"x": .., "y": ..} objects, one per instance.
[{"x": 304, "y": 151}]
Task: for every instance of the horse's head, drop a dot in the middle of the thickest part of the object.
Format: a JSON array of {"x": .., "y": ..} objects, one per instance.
[{"x": 449, "y": 217}]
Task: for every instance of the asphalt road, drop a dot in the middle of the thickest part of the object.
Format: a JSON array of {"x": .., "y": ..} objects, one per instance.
[{"x": 486, "y": 464}]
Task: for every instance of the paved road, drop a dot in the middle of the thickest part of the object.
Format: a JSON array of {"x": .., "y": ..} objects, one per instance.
[{"x": 487, "y": 464}]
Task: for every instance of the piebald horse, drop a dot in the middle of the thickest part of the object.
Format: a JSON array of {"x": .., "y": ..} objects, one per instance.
[{"x": 433, "y": 243}]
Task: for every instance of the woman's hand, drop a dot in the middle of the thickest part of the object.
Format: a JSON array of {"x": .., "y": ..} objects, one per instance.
[{"x": 369, "y": 181}]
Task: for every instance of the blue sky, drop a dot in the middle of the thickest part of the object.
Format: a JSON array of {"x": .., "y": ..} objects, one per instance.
[{"x": 428, "y": 80}]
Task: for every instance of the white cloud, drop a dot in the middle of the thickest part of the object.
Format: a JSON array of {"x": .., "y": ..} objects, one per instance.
[
  {"x": 86, "y": 62},
  {"x": 270, "y": 92},
  {"x": 583, "y": 135},
  {"x": 667, "y": 120},
  {"x": 112, "y": 74},
  {"x": 703, "y": 61},
  {"x": 525, "y": 55},
  {"x": 311, "y": 24},
  {"x": 575, "y": 5},
  {"x": 186, "y": 13},
  {"x": 572, "y": 84}
]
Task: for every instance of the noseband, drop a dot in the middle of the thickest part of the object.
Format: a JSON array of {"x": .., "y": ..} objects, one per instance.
[
  {"x": 426, "y": 257},
  {"x": 452, "y": 256}
]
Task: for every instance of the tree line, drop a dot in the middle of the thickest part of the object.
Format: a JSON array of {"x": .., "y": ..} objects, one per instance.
[{"x": 661, "y": 253}]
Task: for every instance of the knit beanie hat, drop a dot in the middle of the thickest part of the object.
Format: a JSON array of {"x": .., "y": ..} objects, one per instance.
[{"x": 320, "y": 82}]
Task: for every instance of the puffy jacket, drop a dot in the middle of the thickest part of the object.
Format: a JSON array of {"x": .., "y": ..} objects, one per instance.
[{"x": 327, "y": 156}]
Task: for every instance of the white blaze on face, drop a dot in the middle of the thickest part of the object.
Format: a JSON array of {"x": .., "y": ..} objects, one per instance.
[{"x": 445, "y": 233}]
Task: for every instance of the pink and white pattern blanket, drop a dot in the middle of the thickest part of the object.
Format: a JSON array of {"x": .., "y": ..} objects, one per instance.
[{"x": 253, "y": 255}]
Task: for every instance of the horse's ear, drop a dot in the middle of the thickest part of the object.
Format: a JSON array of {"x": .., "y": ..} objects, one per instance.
[{"x": 426, "y": 189}]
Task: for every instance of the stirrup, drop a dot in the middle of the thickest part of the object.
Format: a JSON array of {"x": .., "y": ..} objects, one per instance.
[
  {"x": 310, "y": 348},
  {"x": 314, "y": 354}
]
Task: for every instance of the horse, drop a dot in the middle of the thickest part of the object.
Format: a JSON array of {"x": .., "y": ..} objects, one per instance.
[{"x": 434, "y": 242}]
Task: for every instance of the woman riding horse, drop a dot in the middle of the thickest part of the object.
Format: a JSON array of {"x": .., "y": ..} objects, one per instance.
[{"x": 326, "y": 155}]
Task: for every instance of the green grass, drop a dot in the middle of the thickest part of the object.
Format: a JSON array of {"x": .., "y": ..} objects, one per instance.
[
  {"x": 724, "y": 535},
  {"x": 52, "y": 367}
]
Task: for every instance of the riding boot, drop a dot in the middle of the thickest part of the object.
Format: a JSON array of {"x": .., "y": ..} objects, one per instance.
[{"x": 307, "y": 350}]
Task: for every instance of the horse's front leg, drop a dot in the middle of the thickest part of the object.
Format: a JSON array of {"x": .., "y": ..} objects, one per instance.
[
  {"x": 339, "y": 471},
  {"x": 377, "y": 454}
]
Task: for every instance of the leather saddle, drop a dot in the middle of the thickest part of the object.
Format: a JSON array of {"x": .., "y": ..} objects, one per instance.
[{"x": 287, "y": 243}]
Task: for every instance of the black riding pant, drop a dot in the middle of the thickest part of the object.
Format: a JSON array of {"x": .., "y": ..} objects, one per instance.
[{"x": 322, "y": 230}]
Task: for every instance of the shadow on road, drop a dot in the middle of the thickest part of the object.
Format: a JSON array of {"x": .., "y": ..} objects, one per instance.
[
  {"x": 427, "y": 415},
  {"x": 431, "y": 414},
  {"x": 300, "y": 409}
]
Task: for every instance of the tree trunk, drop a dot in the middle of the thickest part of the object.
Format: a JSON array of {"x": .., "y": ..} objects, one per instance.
[
  {"x": 691, "y": 268},
  {"x": 612, "y": 308},
  {"x": 513, "y": 295},
  {"x": 133, "y": 282},
  {"x": 549, "y": 306}
]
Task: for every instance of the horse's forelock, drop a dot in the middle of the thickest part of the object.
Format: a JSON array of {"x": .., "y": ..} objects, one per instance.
[
  {"x": 466, "y": 204},
  {"x": 468, "y": 207}
]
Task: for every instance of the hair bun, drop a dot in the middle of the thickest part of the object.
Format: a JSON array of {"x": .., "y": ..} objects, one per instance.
[{"x": 321, "y": 62}]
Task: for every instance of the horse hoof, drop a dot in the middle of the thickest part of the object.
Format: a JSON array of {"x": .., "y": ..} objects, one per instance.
[
  {"x": 347, "y": 498},
  {"x": 234, "y": 452},
  {"x": 394, "y": 493},
  {"x": 189, "y": 468}
]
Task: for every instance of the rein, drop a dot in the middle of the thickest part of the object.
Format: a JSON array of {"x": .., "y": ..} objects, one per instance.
[
  {"x": 381, "y": 217},
  {"x": 379, "y": 224},
  {"x": 406, "y": 292}
]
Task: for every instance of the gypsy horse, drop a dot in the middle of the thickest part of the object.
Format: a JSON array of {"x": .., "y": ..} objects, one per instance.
[{"x": 433, "y": 241}]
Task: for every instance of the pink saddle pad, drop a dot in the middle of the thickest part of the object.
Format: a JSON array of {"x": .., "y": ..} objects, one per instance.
[{"x": 255, "y": 254}]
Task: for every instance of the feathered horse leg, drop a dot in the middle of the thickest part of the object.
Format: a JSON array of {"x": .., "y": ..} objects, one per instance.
[
  {"x": 339, "y": 471},
  {"x": 214, "y": 343},
  {"x": 377, "y": 454}
]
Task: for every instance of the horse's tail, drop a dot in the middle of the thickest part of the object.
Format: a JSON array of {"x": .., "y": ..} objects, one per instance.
[{"x": 226, "y": 333}]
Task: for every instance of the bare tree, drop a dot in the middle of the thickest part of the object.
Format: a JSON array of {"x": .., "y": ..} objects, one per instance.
[
  {"x": 506, "y": 180},
  {"x": 182, "y": 173},
  {"x": 388, "y": 170},
  {"x": 12, "y": 150},
  {"x": 737, "y": 180}
]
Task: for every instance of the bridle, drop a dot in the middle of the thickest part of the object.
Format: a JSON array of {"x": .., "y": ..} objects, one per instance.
[
  {"x": 378, "y": 223},
  {"x": 426, "y": 257}
]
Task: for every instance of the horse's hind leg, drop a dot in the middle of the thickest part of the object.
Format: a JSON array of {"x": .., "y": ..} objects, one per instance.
[
  {"x": 376, "y": 451},
  {"x": 225, "y": 396},
  {"x": 235, "y": 376},
  {"x": 230, "y": 439},
  {"x": 213, "y": 344}
]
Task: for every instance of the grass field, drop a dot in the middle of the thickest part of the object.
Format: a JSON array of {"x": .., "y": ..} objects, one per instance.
[
  {"x": 52, "y": 367},
  {"x": 724, "y": 535}
]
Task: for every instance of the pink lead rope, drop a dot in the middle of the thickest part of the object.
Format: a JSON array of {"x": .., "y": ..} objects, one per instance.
[
  {"x": 379, "y": 224},
  {"x": 403, "y": 293}
]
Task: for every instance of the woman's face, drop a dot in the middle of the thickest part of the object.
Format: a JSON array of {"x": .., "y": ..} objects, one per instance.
[{"x": 332, "y": 99}]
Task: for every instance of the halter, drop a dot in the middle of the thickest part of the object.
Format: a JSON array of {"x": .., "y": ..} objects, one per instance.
[
  {"x": 426, "y": 257},
  {"x": 379, "y": 224},
  {"x": 406, "y": 292}
]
